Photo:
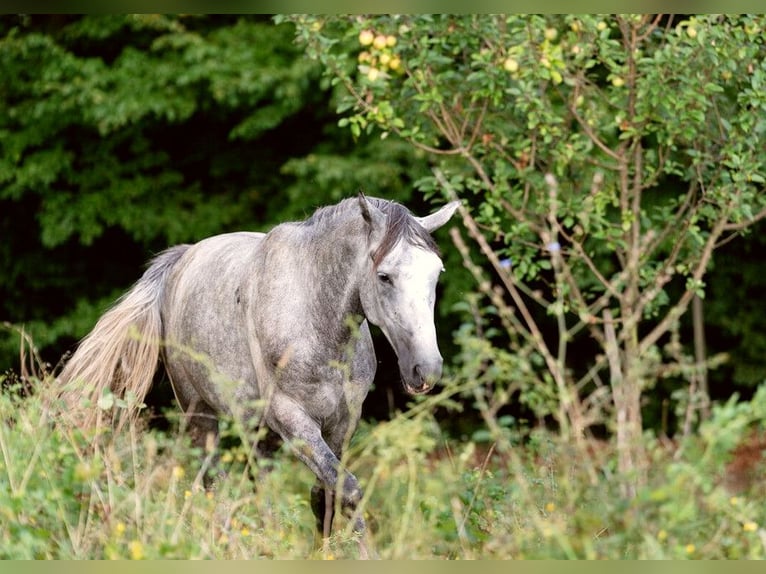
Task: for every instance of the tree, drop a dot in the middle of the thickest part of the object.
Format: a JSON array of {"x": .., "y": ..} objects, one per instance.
[{"x": 601, "y": 160}]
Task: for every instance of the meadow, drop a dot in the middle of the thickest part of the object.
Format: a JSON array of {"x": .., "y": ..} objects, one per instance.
[{"x": 521, "y": 494}]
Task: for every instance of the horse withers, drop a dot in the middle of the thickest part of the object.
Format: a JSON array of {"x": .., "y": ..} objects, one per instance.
[{"x": 275, "y": 326}]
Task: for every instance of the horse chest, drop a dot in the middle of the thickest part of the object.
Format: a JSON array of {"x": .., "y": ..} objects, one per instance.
[{"x": 327, "y": 392}]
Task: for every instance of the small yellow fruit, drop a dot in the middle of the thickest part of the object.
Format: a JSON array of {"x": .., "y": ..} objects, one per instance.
[
  {"x": 379, "y": 42},
  {"x": 601, "y": 26},
  {"x": 395, "y": 63},
  {"x": 551, "y": 33},
  {"x": 372, "y": 74},
  {"x": 385, "y": 58},
  {"x": 511, "y": 65},
  {"x": 390, "y": 41},
  {"x": 691, "y": 32},
  {"x": 366, "y": 37},
  {"x": 618, "y": 82}
]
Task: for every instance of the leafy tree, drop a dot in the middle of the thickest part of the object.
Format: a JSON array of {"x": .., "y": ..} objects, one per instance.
[
  {"x": 123, "y": 134},
  {"x": 602, "y": 161}
]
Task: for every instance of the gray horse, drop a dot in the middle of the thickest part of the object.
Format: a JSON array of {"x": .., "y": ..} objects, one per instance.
[{"x": 274, "y": 328}]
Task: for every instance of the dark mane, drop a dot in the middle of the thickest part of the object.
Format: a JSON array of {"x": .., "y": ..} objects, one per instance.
[{"x": 401, "y": 225}]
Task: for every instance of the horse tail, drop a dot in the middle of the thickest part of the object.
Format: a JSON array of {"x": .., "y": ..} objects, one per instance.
[{"x": 120, "y": 353}]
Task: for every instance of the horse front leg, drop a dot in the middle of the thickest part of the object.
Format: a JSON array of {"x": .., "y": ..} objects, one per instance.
[
  {"x": 323, "y": 507},
  {"x": 304, "y": 434},
  {"x": 323, "y": 499}
]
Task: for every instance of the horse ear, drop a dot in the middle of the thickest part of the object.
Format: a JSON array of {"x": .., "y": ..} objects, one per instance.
[
  {"x": 438, "y": 218},
  {"x": 373, "y": 216}
]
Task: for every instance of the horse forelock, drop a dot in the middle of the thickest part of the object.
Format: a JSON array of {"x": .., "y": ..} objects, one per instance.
[{"x": 401, "y": 226}]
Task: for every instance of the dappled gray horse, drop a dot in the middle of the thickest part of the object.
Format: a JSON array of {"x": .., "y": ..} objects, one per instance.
[{"x": 274, "y": 328}]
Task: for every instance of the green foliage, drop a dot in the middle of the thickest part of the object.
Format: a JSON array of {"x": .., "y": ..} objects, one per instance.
[
  {"x": 563, "y": 107},
  {"x": 84, "y": 132}
]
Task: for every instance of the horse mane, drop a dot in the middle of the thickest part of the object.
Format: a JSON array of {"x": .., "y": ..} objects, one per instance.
[{"x": 401, "y": 225}]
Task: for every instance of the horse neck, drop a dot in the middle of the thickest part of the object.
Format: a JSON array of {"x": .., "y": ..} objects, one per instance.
[{"x": 337, "y": 254}]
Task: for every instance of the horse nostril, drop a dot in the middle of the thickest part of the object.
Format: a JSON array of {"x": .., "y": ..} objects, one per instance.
[
  {"x": 427, "y": 377},
  {"x": 423, "y": 379},
  {"x": 418, "y": 375}
]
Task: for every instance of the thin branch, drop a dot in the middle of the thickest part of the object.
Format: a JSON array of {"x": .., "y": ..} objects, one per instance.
[
  {"x": 739, "y": 226},
  {"x": 680, "y": 307},
  {"x": 650, "y": 28},
  {"x": 592, "y": 135},
  {"x": 550, "y": 240}
]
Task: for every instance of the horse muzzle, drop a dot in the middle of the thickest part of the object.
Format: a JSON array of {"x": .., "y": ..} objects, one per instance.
[{"x": 423, "y": 378}]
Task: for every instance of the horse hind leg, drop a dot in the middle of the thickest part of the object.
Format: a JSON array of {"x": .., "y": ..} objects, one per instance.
[{"x": 201, "y": 424}]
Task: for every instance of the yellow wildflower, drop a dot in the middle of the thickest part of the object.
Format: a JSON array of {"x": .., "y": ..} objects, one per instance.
[
  {"x": 550, "y": 507},
  {"x": 136, "y": 550},
  {"x": 750, "y": 526}
]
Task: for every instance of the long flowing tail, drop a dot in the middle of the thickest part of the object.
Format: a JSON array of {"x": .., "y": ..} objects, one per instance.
[{"x": 121, "y": 352}]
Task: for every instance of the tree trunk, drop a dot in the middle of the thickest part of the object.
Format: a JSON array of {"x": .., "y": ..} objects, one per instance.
[{"x": 625, "y": 381}]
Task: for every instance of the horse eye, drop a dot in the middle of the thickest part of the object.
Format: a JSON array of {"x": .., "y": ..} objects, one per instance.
[{"x": 384, "y": 278}]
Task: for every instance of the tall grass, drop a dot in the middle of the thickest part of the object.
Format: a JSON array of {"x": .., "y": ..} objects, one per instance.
[{"x": 138, "y": 494}]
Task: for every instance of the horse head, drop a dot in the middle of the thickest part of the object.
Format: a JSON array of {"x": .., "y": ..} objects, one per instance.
[{"x": 398, "y": 286}]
